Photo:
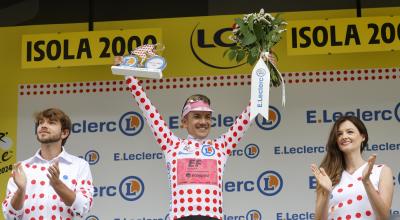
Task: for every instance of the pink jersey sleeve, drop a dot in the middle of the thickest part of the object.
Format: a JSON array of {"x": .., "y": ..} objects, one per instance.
[
  {"x": 158, "y": 126},
  {"x": 236, "y": 131}
]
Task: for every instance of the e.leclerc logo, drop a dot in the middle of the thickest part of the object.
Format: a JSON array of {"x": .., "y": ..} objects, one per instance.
[
  {"x": 253, "y": 215},
  {"x": 207, "y": 150},
  {"x": 250, "y": 215},
  {"x": 272, "y": 122},
  {"x": 268, "y": 183},
  {"x": 130, "y": 124},
  {"x": 251, "y": 151},
  {"x": 314, "y": 116},
  {"x": 92, "y": 157},
  {"x": 131, "y": 188}
]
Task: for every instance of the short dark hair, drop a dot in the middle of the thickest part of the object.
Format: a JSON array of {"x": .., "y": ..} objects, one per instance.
[{"x": 55, "y": 114}]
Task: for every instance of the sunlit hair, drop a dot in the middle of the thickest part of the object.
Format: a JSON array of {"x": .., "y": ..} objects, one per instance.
[
  {"x": 54, "y": 114},
  {"x": 333, "y": 161},
  {"x": 196, "y": 98}
]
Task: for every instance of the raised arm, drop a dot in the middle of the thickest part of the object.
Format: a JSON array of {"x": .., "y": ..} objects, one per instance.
[
  {"x": 236, "y": 131},
  {"x": 159, "y": 128}
]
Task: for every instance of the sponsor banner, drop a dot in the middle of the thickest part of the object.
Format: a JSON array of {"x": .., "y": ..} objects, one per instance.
[
  {"x": 269, "y": 165},
  {"x": 83, "y": 48},
  {"x": 343, "y": 35}
]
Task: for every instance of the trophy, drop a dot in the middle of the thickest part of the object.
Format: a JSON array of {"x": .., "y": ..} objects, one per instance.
[{"x": 141, "y": 62}]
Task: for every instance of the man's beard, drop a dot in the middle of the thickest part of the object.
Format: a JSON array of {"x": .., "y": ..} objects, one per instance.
[{"x": 49, "y": 140}]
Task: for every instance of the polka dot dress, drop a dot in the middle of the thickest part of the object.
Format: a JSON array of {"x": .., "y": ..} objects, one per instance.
[
  {"x": 195, "y": 167},
  {"x": 41, "y": 201},
  {"x": 349, "y": 199}
]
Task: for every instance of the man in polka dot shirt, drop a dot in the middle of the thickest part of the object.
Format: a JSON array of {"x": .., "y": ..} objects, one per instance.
[
  {"x": 52, "y": 184},
  {"x": 195, "y": 164}
]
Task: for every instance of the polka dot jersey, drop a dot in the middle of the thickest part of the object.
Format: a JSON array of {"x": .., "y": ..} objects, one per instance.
[{"x": 195, "y": 168}]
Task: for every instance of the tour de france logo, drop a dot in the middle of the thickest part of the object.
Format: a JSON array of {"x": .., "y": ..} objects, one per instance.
[
  {"x": 131, "y": 123},
  {"x": 131, "y": 188},
  {"x": 273, "y": 122}
]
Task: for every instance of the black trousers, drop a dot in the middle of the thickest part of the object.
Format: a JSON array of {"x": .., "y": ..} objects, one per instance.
[{"x": 197, "y": 217}]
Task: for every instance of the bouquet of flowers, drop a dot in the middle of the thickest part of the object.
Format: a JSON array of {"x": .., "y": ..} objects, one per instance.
[{"x": 255, "y": 34}]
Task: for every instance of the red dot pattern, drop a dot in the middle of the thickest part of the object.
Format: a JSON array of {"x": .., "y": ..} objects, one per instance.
[
  {"x": 95, "y": 87},
  {"x": 41, "y": 201},
  {"x": 349, "y": 199},
  {"x": 191, "y": 198}
]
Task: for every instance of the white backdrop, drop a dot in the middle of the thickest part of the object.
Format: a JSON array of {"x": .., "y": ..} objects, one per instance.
[{"x": 267, "y": 177}]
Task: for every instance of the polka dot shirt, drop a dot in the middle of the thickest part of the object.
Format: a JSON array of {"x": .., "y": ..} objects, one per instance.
[
  {"x": 195, "y": 167},
  {"x": 349, "y": 199},
  {"x": 41, "y": 201}
]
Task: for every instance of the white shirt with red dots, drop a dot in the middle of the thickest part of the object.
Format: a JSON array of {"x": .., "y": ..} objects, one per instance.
[
  {"x": 349, "y": 199},
  {"x": 195, "y": 167},
  {"x": 41, "y": 201}
]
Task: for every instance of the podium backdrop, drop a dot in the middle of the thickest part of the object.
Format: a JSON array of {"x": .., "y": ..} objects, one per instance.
[{"x": 268, "y": 175}]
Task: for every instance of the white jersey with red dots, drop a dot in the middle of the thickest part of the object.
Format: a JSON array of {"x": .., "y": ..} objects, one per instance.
[
  {"x": 41, "y": 201},
  {"x": 195, "y": 167},
  {"x": 349, "y": 199}
]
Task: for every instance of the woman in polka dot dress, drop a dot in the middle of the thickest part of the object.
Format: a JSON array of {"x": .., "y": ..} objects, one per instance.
[
  {"x": 195, "y": 164},
  {"x": 348, "y": 186}
]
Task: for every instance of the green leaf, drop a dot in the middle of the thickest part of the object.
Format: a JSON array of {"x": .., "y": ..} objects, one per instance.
[
  {"x": 249, "y": 39},
  {"x": 239, "y": 22},
  {"x": 255, "y": 51},
  {"x": 240, "y": 56},
  {"x": 251, "y": 60},
  {"x": 243, "y": 27},
  {"x": 234, "y": 47},
  {"x": 258, "y": 31},
  {"x": 275, "y": 79},
  {"x": 250, "y": 23},
  {"x": 225, "y": 52},
  {"x": 232, "y": 54},
  {"x": 276, "y": 37}
]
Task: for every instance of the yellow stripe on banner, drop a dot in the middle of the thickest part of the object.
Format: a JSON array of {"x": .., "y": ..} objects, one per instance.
[
  {"x": 83, "y": 48},
  {"x": 346, "y": 35}
]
